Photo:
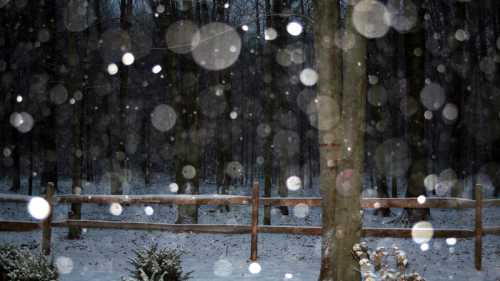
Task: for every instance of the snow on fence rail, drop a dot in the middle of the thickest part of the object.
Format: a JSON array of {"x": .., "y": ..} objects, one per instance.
[{"x": 254, "y": 228}]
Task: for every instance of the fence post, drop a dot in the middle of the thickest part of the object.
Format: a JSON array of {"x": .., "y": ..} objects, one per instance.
[
  {"x": 478, "y": 230},
  {"x": 255, "y": 220},
  {"x": 46, "y": 224}
]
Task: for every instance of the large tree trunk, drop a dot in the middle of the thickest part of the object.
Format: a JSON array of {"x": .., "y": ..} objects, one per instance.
[
  {"x": 329, "y": 82},
  {"x": 348, "y": 186},
  {"x": 341, "y": 142}
]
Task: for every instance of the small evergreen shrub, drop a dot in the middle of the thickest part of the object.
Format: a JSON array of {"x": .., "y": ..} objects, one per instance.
[
  {"x": 21, "y": 265},
  {"x": 154, "y": 264}
]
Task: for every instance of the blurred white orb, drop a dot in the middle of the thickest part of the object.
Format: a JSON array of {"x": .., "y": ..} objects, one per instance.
[
  {"x": 422, "y": 232},
  {"x": 401, "y": 15},
  {"x": 446, "y": 181},
  {"x": 58, "y": 94},
  {"x": 294, "y": 28},
  {"x": 450, "y": 112},
  {"x": 182, "y": 37},
  {"x": 421, "y": 199},
  {"x": 254, "y": 268},
  {"x": 288, "y": 276},
  {"x": 22, "y": 121},
  {"x": 461, "y": 35},
  {"x": 7, "y": 152},
  {"x": 39, "y": 208},
  {"x": 149, "y": 211},
  {"x": 128, "y": 58},
  {"x": 156, "y": 69},
  {"x": 189, "y": 172},
  {"x": 433, "y": 96},
  {"x": 223, "y": 268},
  {"x": 234, "y": 169},
  {"x": 424, "y": 247},
  {"x": 19, "y": 98},
  {"x": 116, "y": 209},
  {"x": 377, "y": 95},
  {"x": 308, "y": 77},
  {"x": 271, "y": 34},
  {"x": 430, "y": 182},
  {"x": 16, "y": 119},
  {"x": 173, "y": 187},
  {"x": 451, "y": 241},
  {"x": 300, "y": 210},
  {"x": 368, "y": 18},
  {"x": 112, "y": 68},
  {"x": 64, "y": 265},
  {"x": 244, "y": 27},
  {"x": 218, "y": 46},
  {"x": 163, "y": 117},
  {"x": 428, "y": 114},
  {"x": 293, "y": 183}
]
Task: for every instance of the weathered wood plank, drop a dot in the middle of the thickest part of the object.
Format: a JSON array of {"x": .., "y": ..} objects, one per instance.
[
  {"x": 406, "y": 232},
  {"x": 452, "y": 203},
  {"x": 494, "y": 230},
  {"x": 195, "y": 228},
  {"x": 16, "y": 198},
  {"x": 286, "y": 229},
  {"x": 15, "y": 225},
  {"x": 445, "y": 203},
  {"x": 291, "y": 201},
  {"x": 487, "y": 203},
  {"x": 157, "y": 199}
]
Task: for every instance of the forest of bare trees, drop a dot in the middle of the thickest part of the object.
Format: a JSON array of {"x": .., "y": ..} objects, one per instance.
[{"x": 346, "y": 99}]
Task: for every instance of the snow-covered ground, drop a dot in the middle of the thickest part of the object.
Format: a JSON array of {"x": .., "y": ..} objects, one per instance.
[{"x": 103, "y": 254}]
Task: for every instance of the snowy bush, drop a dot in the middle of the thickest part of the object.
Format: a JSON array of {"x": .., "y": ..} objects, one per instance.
[
  {"x": 376, "y": 265},
  {"x": 21, "y": 265},
  {"x": 153, "y": 264}
]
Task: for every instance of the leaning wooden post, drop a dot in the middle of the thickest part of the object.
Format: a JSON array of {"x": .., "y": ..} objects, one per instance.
[
  {"x": 478, "y": 230},
  {"x": 255, "y": 220},
  {"x": 46, "y": 224}
]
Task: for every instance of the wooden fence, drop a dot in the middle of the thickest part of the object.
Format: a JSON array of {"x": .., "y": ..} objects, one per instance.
[{"x": 254, "y": 228}]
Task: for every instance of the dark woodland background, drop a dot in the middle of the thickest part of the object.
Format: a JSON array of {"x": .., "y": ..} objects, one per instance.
[{"x": 63, "y": 116}]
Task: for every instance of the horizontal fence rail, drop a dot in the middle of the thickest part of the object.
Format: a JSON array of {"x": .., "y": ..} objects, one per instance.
[
  {"x": 254, "y": 228},
  {"x": 181, "y": 199}
]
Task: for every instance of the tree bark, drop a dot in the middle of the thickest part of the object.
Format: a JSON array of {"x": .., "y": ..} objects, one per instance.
[
  {"x": 341, "y": 141},
  {"x": 328, "y": 59}
]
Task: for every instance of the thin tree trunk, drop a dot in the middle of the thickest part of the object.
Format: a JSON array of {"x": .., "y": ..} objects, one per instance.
[
  {"x": 268, "y": 116},
  {"x": 415, "y": 73},
  {"x": 76, "y": 208}
]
